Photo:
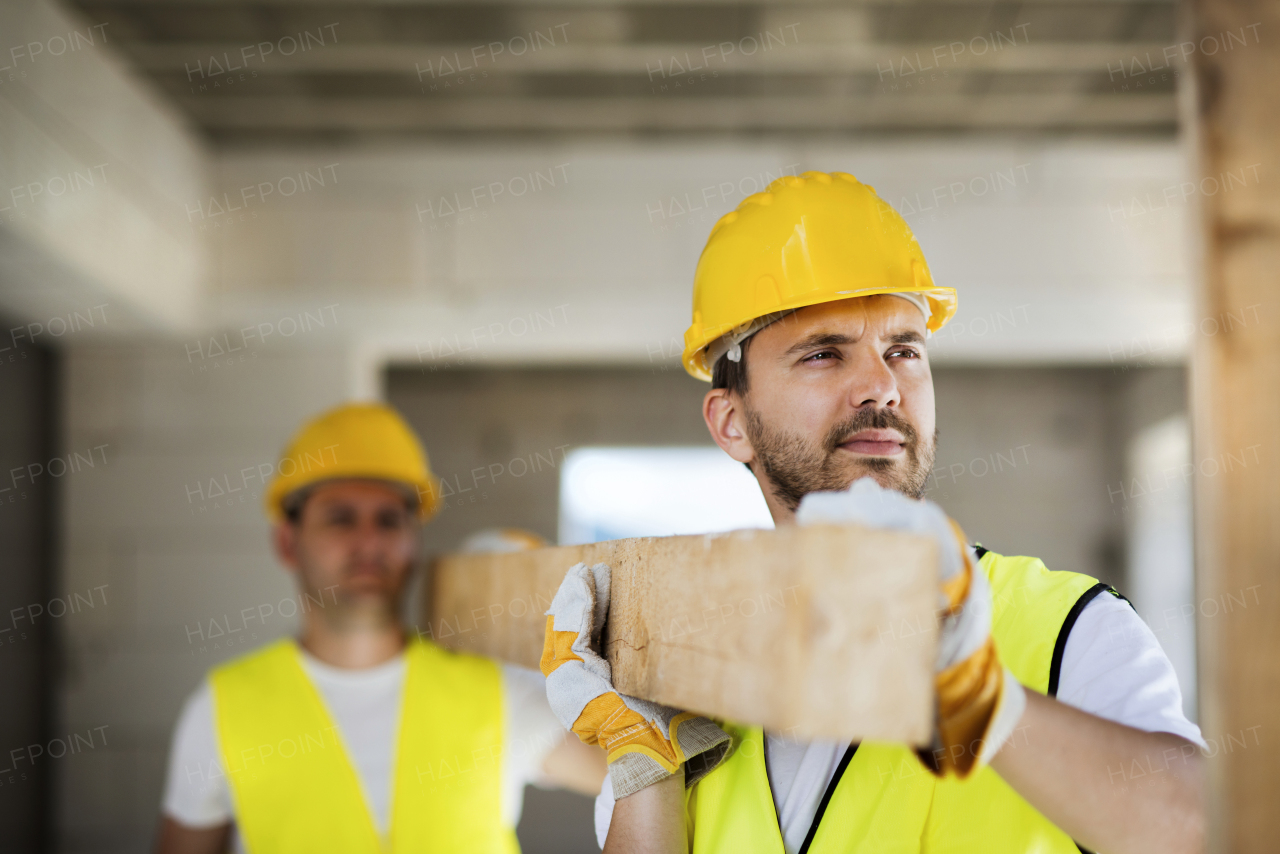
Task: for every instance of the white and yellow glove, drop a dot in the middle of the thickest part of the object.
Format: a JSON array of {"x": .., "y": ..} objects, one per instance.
[
  {"x": 644, "y": 742},
  {"x": 979, "y": 700}
]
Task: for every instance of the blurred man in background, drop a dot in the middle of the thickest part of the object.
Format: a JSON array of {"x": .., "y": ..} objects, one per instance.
[
  {"x": 359, "y": 736},
  {"x": 812, "y": 306}
]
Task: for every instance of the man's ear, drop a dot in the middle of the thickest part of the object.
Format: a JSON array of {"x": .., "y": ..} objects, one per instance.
[
  {"x": 284, "y": 539},
  {"x": 726, "y": 418}
]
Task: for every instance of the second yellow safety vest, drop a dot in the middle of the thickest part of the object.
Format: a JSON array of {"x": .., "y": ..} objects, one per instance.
[
  {"x": 295, "y": 790},
  {"x": 885, "y": 801}
]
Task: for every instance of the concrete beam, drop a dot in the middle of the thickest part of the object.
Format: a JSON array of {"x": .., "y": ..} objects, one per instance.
[
  {"x": 429, "y": 62},
  {"x": 912, "y": 110},
  {"x": 95, "y": 171},
  {"x": 606, "y": 3}
]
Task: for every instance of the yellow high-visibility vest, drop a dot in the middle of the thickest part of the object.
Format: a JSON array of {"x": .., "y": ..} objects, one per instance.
[
  {"x": 295, "y": 790},
  {"x": 885, "y": 801}
]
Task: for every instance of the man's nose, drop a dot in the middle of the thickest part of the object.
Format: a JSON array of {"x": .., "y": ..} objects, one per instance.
[
  {"x": 873, "y": 383},
  {"x": 369, "y": 536}
]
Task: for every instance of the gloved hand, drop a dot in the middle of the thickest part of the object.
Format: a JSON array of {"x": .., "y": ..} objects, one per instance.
[
  {"x": 644, "y": 742},
  {"x": 979, "y": 700}
]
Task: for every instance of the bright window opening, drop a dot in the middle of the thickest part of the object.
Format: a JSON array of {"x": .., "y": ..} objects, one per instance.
[{"x": 612, "y": 493}]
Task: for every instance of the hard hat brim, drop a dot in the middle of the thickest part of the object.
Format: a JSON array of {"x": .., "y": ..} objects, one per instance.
[
  {"x": 415, "y": 495},
  {"x": 942, "y": 301}
]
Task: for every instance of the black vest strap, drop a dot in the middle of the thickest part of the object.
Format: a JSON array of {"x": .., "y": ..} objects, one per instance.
[
  {"x": 1060, "y": 645},
  {"x": 826, "y": 797}
]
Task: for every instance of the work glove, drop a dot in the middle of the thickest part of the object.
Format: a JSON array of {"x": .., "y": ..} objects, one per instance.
[
  {"x": 979, "y": 699},
  {"x": 644, "y": 742}
]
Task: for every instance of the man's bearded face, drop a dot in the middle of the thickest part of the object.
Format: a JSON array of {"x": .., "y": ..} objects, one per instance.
[
  {"x": 834, "y": 392},
  {"x": 797, "y": 466}
]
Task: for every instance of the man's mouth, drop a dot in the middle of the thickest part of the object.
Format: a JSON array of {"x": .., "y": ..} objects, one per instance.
[
  {"x": 366, "y": 570},
  {"x": 875, "y": 443}
]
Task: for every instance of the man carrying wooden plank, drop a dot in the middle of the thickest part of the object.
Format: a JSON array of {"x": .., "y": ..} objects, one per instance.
[
  {"x": 359, "y": 736},
  {"x": 812, "y": 306}
]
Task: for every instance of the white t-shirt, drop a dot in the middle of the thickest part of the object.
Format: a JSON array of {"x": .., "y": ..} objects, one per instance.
[
  {"x": 1112, "y": 667},
  {"x": 365, "y": 707}
]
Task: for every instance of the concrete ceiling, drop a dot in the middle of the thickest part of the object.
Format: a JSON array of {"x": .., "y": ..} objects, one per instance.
[{"x": 304, "y": 71}]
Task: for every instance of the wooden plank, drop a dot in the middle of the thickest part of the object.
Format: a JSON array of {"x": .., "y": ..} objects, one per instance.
[
  {"x": 1236, "y": 377},
  {"x": 823, "y": 631}
]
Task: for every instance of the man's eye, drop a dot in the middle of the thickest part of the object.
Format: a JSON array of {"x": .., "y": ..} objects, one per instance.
[
  {"x": 906, "y": 352},
  {"x": 823, "y": 355}
]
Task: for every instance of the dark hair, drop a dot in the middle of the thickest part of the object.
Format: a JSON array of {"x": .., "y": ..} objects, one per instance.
[
  {"x": 732, "y": 375},
  {"x": 292, "y": 503}
]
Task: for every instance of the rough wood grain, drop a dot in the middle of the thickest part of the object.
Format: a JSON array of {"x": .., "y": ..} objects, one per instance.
[
  {"x": 1230, "y": 111},
  {"x": 822, "y": 631}
]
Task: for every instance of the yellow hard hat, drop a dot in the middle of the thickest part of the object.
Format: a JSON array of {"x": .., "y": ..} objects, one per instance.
[
  {"x": 366, "y": 441},
  {"x": 805, "y": 240}
]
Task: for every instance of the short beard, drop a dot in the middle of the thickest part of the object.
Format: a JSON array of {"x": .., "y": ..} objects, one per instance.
[{"x": 795, "y": 467}]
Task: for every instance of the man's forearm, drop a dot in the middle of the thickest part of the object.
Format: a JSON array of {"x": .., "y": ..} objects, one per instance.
[
  {"x": 651, "y": 821},
  {"x": 1111, "y": 787}
]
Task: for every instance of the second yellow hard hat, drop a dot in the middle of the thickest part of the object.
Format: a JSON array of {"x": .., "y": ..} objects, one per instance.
[
  {"x": 807, "y": 239},
  {"x": 360, "y": 441}
]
